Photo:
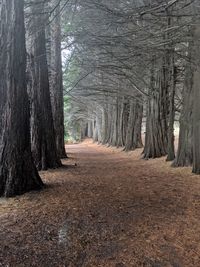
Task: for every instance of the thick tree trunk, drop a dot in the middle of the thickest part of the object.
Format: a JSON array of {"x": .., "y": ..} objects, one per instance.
[
  {"x": 133, "y": 135},
  {"x": 90, "y": 129},
  {"x": 137, "y": 136},
  {"x": 184, "y": 156},
  {"x": 95, "y": 132},
  {"x": 130, "y": 129},
  {"x": 125, "y": 121},
  {"x": 42, "y": 128},
  {"x": 83, "y": 130},
  {"x": 18, "y": 173},
  {"x": 113, "y": 140},
  {"x": 172, "y": 89},
  {"x": 99, "y": 126},
  {"x": 56, "y": 80},
  {"x": 157, "y": 111},
  {"x": 196, "y": 101}
]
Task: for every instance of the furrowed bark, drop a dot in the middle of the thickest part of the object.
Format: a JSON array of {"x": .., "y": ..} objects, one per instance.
[
  {"x": 42, "y": 128},
  {"x": 18, "y": 173},
  {"x": 56, "y": 80}
]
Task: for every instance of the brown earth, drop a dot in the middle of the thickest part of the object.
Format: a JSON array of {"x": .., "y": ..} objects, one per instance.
[{"x": 112, "y": 209}]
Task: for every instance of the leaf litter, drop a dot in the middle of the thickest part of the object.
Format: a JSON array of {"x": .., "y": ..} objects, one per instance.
[{"x": 105, "y": 207}]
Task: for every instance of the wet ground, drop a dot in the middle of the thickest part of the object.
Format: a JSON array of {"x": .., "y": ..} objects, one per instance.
[{"x": 112, "y": 209}]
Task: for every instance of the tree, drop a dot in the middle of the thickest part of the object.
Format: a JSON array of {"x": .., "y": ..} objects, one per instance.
[
  {"x": 196, "y": 101},
  {"x": 135, "y": 52},
  {"x": 43, "y": 139},
  {"x": 18, "y": 173},
  {"x": 184, "y": 155},
  {"x": 56, "y": 79}
]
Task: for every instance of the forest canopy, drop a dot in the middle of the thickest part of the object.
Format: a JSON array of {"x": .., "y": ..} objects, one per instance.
[{"x": 134, "y": 69}]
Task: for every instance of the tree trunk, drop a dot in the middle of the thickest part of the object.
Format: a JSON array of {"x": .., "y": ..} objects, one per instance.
[
  {"x": 137, "y": 136},
  {"x": 42, "y": 128},
  {"x": 172, "y": 89},
  {"x": 56, "y": 81},
  {"x": 18, "y": 173},
  {"x": 125, "y": 121},
  {"x": 99, "y": 127},
  {"x": 95, "y": 132},
  {"x": 157, "y": 110},
  {"x": 133, "y": 135},
  {"x": 130, "y": 129},
  {"x": 90, "y": 129},
  {"x": 120, "y": 123},
  {"x": 104, "y": 126},
  {"x": 184, "y": 156},
  {"x": 196, "y": 99}
]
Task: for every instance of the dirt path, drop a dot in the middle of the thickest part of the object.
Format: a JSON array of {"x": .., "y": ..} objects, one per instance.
[{"x": 113, "y": 209}]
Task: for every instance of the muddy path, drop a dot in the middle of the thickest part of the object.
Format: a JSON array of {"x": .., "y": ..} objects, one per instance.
[{"x": 112, "y": 209}]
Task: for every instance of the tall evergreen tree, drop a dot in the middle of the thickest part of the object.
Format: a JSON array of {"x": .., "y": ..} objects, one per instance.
[
  {"x": 42, "y": 128},
  {"x": 56, "y": 79},
  {"x": 18, "y": 173}
]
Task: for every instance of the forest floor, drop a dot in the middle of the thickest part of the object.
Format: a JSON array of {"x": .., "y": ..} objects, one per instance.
[{"x": 112, "y": 209}]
